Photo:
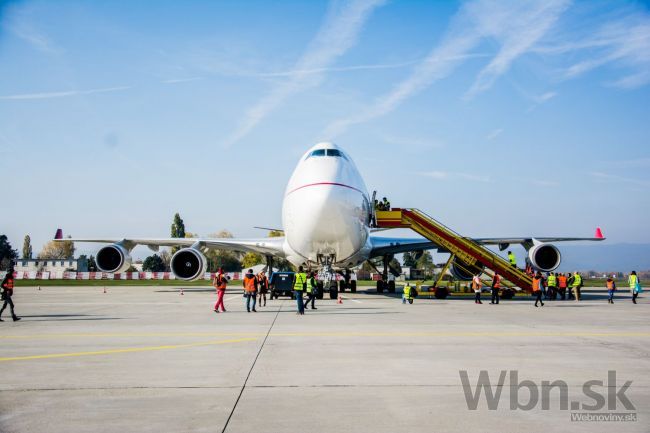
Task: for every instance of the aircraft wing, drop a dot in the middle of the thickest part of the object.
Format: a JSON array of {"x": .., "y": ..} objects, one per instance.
[
  {"x": 385, "y": 245},
  {"x": 266, "y": 246}
]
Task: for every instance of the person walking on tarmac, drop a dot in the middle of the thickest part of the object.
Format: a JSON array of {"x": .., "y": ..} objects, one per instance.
[
  {"x": 220, "y": 282},
  {"x": 299, "y": 286},
  {"x": 551, "y": 291},
  {"x": 632, "y": 280},
  {"x": 250, "y": 290},
  {"x": 496, "y": 286},
  {"x": 409, "y": 294},
  {"x": 7, "y": 292},
  {"x": 312, "y": 287},
  {"x": 538, "y": 283},
  {"x": 562, "y": 285},
  {"x": 263, "y": 284},
  {"x": 512, "y": 259},
  {"x": 477, "y": 284},
  {"x": 611, "y": 288},
  {"x": 577, "y": 285}
]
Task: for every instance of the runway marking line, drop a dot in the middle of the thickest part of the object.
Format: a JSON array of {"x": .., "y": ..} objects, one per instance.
[{"x": 125, "y": 350}]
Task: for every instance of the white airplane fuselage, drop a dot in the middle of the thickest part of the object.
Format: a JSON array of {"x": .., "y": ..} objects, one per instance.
[{"x": 326, "y": 210}]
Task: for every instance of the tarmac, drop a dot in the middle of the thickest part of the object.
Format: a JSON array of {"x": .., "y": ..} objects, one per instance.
[{"x": 148, "y": 359}]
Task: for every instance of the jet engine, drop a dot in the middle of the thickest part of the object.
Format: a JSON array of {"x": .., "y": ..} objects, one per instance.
[
  {"x": 544, "y": 257},
  {"x": 464, "y": 272},
  {"x": 113, "y": 258},
  {"x": 188, "y": 264}
]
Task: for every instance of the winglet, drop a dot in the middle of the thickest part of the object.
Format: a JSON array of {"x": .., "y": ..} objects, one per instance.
[
  {"x": 59, "y": 234},
  {"x": 599, "y": 233}
]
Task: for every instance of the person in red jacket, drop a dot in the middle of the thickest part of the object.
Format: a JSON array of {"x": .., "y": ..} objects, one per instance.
[
  {"x": 220, "y": 283},
  {"x": 7, "y": 292}
]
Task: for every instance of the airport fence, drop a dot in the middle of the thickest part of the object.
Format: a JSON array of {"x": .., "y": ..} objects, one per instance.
[{"x": 69, "y": 275}]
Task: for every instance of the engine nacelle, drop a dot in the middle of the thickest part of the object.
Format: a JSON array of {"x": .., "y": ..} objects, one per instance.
[
  {"x": 464, "y": 272},
  {"x": 188, "y": 264},
  {"x": 544, "y": 257},
  {"x": 113, "y": 258}
]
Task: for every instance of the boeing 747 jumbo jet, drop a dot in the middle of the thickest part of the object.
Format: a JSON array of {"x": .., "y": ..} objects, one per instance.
[{"x": 327, "y": 217}]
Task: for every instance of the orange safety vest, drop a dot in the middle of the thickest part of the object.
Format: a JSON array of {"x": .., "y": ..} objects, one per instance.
[
  {"x": 220, "y": 282},
  {"x": 497, "y": 281},
  {"x": 610, "y": 285},
  {"x": 249, "y": 284},
  {"x": 562, "y": 281},
  {"x": 536, "y": 284}
]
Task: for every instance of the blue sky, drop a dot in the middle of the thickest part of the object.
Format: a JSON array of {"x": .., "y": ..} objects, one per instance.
[{"x": 499, "y": 118}]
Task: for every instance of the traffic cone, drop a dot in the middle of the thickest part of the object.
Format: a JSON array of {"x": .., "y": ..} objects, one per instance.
[
  {"x": 182, "y": 292},
  {"x": 340, "y": 300}
]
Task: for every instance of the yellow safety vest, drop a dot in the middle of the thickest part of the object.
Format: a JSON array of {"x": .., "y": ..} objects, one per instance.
[
  {"x": 407, "y": 292},
  {"x": 301, "y": 278},
  {"x": 552, "y": 281},
  {"x": 632, "y": 280},
  {"x": 512, "y": 258},
  {"x": 577, "y": 280}
]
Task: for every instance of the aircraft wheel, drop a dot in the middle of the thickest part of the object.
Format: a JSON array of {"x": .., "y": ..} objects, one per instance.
[
  {"x": 342, "y": 286},
  {"x": 353, "y": 286},
  {"x": 380, "y": 286},
  {"x": 441, "y": 293},
  {"x": 334, "y": 292},
  {"x": 319, "y": 295},
  {"x": 391, "y": 287},
  {"x": 507, "y": 294}
]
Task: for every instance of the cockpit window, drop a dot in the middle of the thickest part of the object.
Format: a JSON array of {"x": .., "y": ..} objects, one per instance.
[{"x": 327, "y": 152}]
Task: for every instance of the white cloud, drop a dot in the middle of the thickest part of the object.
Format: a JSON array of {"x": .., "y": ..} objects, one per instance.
[
  {"x": 180, "y": 80},
  {"x": 47, "y": 95},
  {"x": 616, "y": 178},
  {"x": 336, "y": 36},
  {"x": 455, "y": 176},
  {"x": 517, "y": 26},
  {"x": 494, "y": 134}
]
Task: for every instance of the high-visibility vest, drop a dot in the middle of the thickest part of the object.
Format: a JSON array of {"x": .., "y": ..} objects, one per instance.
[
  {"x": 220, "y": 282},
  {"x": 407, "y": 292},
  {"x": 512, "y": 258},
  {"x": 610, "y": 284},
  {"x": 537, "y": 282},
  {"x": 301, "y": 278},
  {"x": 562, "y": 280},
  {"x": 577, "y": 280},
  {"x": 249, "y": 283},
  {"x": 552, "y": 281},
  {"x": 476, "y": 283},
  {"x": 497, "y": 281},
  {"x": 311, "y": 286},
  {"x": 632, "y": 280}
]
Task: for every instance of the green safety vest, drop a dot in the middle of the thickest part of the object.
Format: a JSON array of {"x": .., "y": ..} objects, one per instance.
[
  {"x": 632, "y": 280},
  {"x": 301, "y": 278},
  {"x": 407, "y": 292},
  {"x": 512, "y": 258},
  {"x": 577, "y": 280},
  {"x": 552, "y": 281},
  {"x": 311, "y": 285}
]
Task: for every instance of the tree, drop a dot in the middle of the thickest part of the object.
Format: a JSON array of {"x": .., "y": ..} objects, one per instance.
[
  {"x": 27, "y": 247},
  {"x": 57, "y": 250},
  {"x": 425, "y": 262},
  {"x": 395, "y": 265},
  {"x": 409, "y": 259},
  {"x": 153, "y": 263},
  {"x": 92, "y": 264},
  {"x": 178, "y": 229},
  {"x": 281, "y": 264},
  {"x": 7, "y": 254},
  {"x": 251, "y": 259},
  {"x": 166, "y": 257}
]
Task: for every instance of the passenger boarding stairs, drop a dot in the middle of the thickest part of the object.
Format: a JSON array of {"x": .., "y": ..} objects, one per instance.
[{"x": 464, "y": 249}]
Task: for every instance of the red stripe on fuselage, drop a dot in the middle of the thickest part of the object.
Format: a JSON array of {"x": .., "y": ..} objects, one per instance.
[{"x": 325, "y": 183}]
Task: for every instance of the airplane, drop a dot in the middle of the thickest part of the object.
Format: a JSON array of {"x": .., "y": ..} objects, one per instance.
[{"x": 327, "y": 219}]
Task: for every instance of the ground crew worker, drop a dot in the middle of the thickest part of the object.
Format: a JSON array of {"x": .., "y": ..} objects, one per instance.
[
  {"x": 577, "y": 285},
  {"x": 496, "y": 285},
  {"x": 611, "y": 288},
  {"x": 312, "y": 288},
  {"x": 250, "y": 290},
  {"x": 220, "y": 282},
  {"x": 385, "y": 204},
  {"x": 632, "y": 280},
  {"x": 409, "y": 294},
  {"x": 263, "y": 284},
  {"x": 538, "y": 283},
  {"x": 562, "y": 285},
  {"x": 476, "y": 285},
  {"x": 552, "y": 286},
  {"x": 7, "y": 292},
  {"x": 512, "y": 259},
  {"x": 299, "y": 286},
  {"x": 569, "y": 283}
]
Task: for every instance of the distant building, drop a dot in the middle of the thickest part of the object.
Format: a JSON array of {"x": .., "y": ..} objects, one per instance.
[{"x": 51, "y": 265}]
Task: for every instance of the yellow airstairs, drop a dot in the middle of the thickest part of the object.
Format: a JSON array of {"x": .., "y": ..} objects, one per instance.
[{"x": 466, "y": 250}]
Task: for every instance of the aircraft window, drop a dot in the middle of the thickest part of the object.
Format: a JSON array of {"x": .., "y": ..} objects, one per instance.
[
  {"x": 318, "y": 152},
  {"x": 333, "y": 152}
]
